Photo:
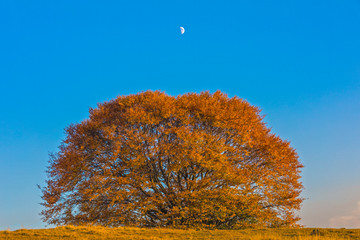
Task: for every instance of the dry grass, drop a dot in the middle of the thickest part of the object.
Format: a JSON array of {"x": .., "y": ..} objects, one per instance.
[{"x": 92, "y": 232}]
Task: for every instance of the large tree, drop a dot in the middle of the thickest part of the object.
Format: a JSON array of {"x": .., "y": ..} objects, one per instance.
[{"x": 195, "y": 160}]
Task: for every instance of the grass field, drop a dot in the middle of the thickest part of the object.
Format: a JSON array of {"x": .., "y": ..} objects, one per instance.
[{"x": 71, "y": 232}]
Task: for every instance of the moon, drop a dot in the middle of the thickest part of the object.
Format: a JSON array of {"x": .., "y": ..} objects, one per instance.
[{"x": 182, "y": 30}]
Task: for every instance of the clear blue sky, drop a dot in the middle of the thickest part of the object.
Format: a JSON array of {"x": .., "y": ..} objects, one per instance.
[{"x": 297, "y": 60}]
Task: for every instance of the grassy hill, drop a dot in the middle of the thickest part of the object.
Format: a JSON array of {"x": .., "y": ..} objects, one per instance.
[{"x": 71, "y": 232}]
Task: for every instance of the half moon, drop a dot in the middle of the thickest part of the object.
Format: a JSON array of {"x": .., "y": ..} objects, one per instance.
[{"x": 182, "y": 30}]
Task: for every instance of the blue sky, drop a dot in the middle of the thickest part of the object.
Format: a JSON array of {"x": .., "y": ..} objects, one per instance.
[{"x": 299, "y": 61}]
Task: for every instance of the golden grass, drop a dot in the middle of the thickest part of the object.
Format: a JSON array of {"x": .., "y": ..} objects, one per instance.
[{"x": 95, "y": 232}]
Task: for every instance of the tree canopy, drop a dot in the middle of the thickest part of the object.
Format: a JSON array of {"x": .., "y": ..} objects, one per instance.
[{"x": 194, "y": 160}]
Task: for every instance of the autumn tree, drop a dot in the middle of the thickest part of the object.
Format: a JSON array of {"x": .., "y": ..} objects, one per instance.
[{"x": 195, "y": 160}]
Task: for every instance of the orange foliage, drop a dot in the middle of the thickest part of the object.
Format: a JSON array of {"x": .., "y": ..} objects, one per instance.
[{"x": 195, "y": 160}]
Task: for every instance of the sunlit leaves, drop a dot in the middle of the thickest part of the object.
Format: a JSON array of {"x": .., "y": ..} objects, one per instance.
[{"x": 195, "y": 160}]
